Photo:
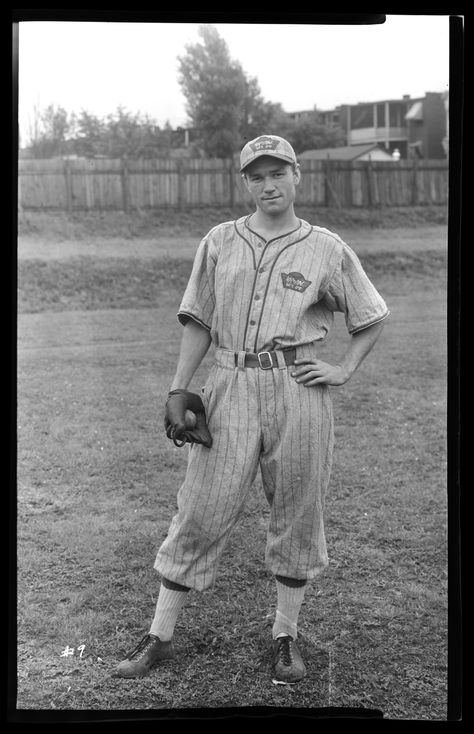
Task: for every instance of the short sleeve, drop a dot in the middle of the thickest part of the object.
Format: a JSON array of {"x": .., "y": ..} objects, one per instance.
[
  {"x": 351, "y": 292},
  {"x": 198, "y": 302}
]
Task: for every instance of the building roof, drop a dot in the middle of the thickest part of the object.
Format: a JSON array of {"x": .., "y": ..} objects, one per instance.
[
  {"x": 406, "y": 98},
  {"x": 345, "y": 153}
]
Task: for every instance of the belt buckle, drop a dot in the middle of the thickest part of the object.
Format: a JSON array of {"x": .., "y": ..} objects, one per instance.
[{"x": 268, "y": 354}]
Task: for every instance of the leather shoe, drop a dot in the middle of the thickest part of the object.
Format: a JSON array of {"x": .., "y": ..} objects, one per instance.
[
  {"x": 288, "y": 663},
  {"x": 149, "y": 651}
]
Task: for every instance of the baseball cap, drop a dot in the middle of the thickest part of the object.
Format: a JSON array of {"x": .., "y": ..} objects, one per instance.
[{"x": 271, "y": 145}]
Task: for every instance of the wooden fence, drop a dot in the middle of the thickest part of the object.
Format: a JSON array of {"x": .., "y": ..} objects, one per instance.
[{"x": 124, "y": 184}]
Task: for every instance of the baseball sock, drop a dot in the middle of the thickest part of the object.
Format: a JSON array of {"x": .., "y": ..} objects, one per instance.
[
  {"x": 171, "y": 599},
  {"x": 290, "y": 595}
]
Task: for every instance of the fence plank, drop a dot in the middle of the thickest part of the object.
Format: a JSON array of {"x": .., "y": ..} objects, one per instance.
[
  {"x": 415, "y": 196},
  {"x": 125, "y": 184},
  {"x": 68, "y": 177}
]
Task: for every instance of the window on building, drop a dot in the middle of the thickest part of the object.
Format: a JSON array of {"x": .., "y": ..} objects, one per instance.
[
  {"x": 381, "y": 114},
  {"x": 362, "y": 116},
  {"x": 397, "y": 112}
]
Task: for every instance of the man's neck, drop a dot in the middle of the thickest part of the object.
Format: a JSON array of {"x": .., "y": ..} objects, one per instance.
[{"x": 273, "y": 226}]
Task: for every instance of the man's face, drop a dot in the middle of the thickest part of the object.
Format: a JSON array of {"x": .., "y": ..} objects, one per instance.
[{"x": 272, "y": 184}]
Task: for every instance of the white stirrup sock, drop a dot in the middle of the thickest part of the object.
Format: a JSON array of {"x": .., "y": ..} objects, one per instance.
[
  {"x": 168, "y": 607},
  {"x": 289, "y": 604}
]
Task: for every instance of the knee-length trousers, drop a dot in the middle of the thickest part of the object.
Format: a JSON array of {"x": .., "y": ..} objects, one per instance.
[{"x": 257, "y": 418}]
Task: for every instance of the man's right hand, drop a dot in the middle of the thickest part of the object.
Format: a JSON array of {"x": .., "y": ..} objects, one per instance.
[{"x": 178, "y": 402}]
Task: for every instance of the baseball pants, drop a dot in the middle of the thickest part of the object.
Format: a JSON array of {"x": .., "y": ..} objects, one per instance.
[{"x": 257, "y": 418}]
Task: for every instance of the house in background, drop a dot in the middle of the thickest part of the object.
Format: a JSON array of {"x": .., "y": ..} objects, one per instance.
[
  {"x": 381, "y": 123},
  {"x": 417, "y": 127},
  {"x": 426, "y": 127},
  {"x": 368, "y": 152}
]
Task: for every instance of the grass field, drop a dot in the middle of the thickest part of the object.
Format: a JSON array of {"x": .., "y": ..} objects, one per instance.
[{"x": 97, "y": 483}]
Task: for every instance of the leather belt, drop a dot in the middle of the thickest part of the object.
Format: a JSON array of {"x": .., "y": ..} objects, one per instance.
[{"x": 268, "y": 360}]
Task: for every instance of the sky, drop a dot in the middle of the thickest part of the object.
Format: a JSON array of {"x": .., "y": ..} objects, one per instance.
[{"x": 99, "y": 66}]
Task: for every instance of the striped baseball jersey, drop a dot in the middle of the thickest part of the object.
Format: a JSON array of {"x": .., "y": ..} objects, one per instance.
[{"x": 255, "y": 295}]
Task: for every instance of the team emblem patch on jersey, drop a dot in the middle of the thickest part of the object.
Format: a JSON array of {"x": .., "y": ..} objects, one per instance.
[
  {"x": 295, "y": 281},
  {"x": 264, "y": 143}
]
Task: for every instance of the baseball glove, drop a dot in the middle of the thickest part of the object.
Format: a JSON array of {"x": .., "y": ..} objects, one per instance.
[{"x": 178, "y": 402}]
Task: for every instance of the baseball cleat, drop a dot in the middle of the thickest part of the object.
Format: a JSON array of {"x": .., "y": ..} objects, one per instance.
[
  {"x": 149, "y": 651},
  {"x": 288, "y": 663}
]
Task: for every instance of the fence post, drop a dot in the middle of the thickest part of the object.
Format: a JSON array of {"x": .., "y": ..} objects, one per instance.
[
  {"x": 68, "y": 175},
  {"x": 125, "y": 184}
]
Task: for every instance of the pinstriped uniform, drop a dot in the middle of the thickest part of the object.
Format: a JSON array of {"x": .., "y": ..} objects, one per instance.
[{"x": 255, "y": 296}]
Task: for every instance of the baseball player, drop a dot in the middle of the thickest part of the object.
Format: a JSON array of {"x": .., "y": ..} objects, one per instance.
[{"x": 263, "y": 291}]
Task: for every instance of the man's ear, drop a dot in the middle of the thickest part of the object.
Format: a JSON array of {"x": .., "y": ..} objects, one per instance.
[
  {"x": 244, "y": 179},
  {"x": 297, "y": 173}
]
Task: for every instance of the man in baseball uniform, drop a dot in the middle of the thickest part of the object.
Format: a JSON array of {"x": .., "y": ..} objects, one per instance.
[{"x": 263, "y": 291}]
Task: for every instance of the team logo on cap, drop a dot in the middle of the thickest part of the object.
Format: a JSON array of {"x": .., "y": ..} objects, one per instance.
[
  {"x": 295, "y": 281},
  {"x": 264, "y": 143}
]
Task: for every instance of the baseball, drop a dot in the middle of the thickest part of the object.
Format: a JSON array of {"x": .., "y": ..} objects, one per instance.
[{"x": 190, "y": 419}]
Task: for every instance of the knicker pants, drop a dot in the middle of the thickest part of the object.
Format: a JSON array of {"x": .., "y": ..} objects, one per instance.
[{"x": 258, "y": 419}]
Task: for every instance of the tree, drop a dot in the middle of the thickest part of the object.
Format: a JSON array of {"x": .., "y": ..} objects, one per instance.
[
  {"x": 119, "y": 134},
  {"x": 55, "y": 133},
  {"x": 227, "y": 107},
  {"x": 215, "y": 88},
  {"x": 309, "y": 134},
  {"x": 90, "y": 134},
  {"x": 259, "y": 116},
  {"x": 49, "y": 131},
  {"x": 126, "y": 134}
]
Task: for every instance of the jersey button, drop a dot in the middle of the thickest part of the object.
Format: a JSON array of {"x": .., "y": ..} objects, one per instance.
[
  {"x": 252, "y": 323},
  {"x": 262, "y": 270},
  {"x": 257, "y": 298}
]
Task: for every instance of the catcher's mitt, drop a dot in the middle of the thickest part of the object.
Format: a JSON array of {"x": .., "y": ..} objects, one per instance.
[{"x": 178, "y": 402}]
